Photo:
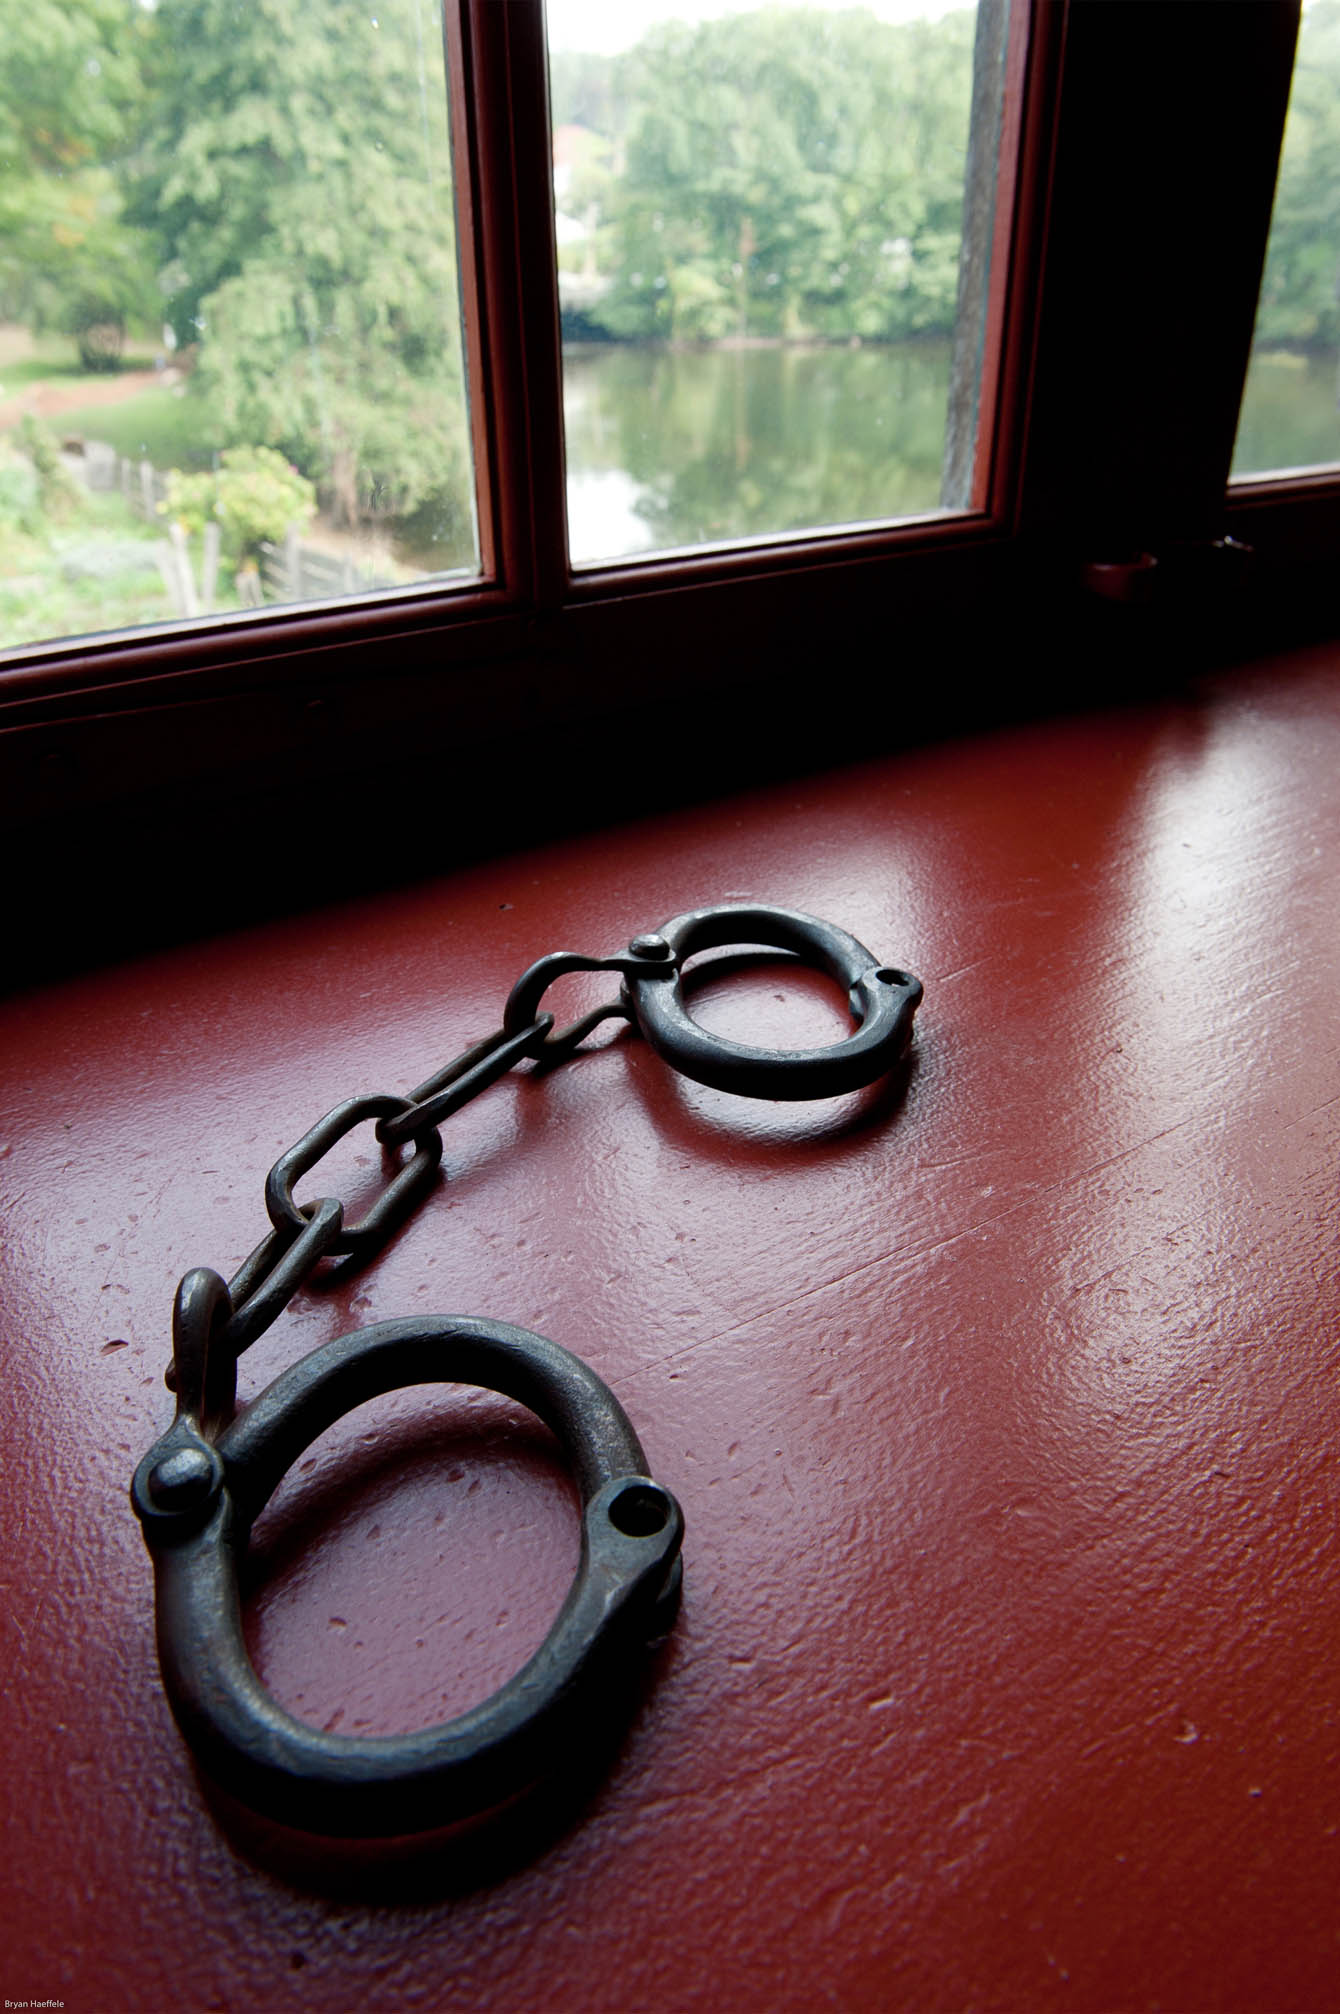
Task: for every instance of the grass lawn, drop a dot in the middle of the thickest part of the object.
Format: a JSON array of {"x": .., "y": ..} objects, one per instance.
[
  {"x": 39, "y": 370},
  {"x": 26, "y": 359},
  {"x": 158, "y": 426},
  {"x": 164, "y": 424}
]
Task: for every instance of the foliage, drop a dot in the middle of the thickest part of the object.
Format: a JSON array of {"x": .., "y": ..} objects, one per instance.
[
  {"x": 99, "y": 573},
  {"x": 97, "y": 321},
  {"x": 71, "y": 96},
  {"x": 581, "y": 91},
  {"x": 789, "y": 173},
  {"x": 35, "y": 485},
  {"x": 69, "y": 83},
  {"x": 254, "y": 495},
  {"x": 58, "y": 493},
  {"x": 37, "y": 491},
  {"x": 20, "y": 491},
  {"x": 298, "y": 178},
  {"x": 1298, "y": 305}
]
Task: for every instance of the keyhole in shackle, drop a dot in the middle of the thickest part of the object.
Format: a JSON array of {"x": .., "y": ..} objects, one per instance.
[{"x": 640, "y": 1511}]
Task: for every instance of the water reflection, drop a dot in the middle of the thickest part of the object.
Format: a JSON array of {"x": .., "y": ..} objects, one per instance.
[
  {"x": 689, "y": 447},
  {"x": 1290, "y": 415},
  {"x": 603, "y": 515}
]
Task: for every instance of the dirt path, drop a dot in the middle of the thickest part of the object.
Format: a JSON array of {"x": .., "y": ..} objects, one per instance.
[{"x": 48, "y": 398}]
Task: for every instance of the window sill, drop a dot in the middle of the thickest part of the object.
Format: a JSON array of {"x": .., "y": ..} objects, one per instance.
[{"x": 1027, "y": 1369}]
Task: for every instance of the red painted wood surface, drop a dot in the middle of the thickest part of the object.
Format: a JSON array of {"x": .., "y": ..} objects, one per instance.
[{"x": 1004, "y": 1416}]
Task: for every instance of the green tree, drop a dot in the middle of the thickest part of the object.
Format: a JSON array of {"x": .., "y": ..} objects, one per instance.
[
  {"x": 582, "y": 91},
  {"x": 791, "y": 173},
  {"x": 1298, "y": 306},
  {"x": 298, "y": 176},
  {"x": 71, "y": 99}
]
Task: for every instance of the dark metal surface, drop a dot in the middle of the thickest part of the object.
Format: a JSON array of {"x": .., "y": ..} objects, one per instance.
[
  {"x": 199, "y": 1505},
  {"x": 201, "y": 1486},
  {"x": 395, "y": 1201},
  {"x": 882, "y": 1000}
]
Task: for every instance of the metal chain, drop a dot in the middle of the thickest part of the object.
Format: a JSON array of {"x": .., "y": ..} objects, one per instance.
[{"x": 214, "y": 1322}]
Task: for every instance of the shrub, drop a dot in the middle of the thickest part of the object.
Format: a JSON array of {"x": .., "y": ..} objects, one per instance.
[
  {"x": 58, "y": 491},
  {"x": 254, "y": 495},
  {"x": 99, "y": 331},
  {"x": 20, "y": 491}
]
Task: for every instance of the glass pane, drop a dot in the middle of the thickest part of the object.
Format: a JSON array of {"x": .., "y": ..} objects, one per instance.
[
  {"x": 230, "y": 339},
  {"x": 760, "y": 214},
  {"x": 1290, "y": 417}
]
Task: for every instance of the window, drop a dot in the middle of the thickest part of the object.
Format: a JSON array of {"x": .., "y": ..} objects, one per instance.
[
  {"x": 760, "y": 241},
  {"x": 232, "y": 342},
  {"x": 1290, "y": 417},
  {"x": 1128, "y": 231},
  {"x": 235, "y": 338}
]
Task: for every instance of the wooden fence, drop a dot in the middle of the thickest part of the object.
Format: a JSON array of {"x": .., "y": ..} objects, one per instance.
[
  {"x": 293, "y": 571},
  {"x": 142, "y": 485}
]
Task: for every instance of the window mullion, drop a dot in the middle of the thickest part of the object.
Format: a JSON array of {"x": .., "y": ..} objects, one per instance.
[
  {"x": 469, "y": 179},
  {"x": 1171, "y": 122},
  {"x": 504, "y": 88}
]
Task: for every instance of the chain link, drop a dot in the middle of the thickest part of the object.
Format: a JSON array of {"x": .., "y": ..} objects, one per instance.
[
  {"x": 458, "y": 1082},
  {"x": 266, "y": 1282},
  {"x": 215, "y": 1322},
  {"x": 397, "y": 1198}
]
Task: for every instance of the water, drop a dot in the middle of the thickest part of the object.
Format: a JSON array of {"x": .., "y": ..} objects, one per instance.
[
  {"x": 688, "y": 447},
  {"x": 674, "y": 448},
  {"x": 1290, "y": 417}
]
